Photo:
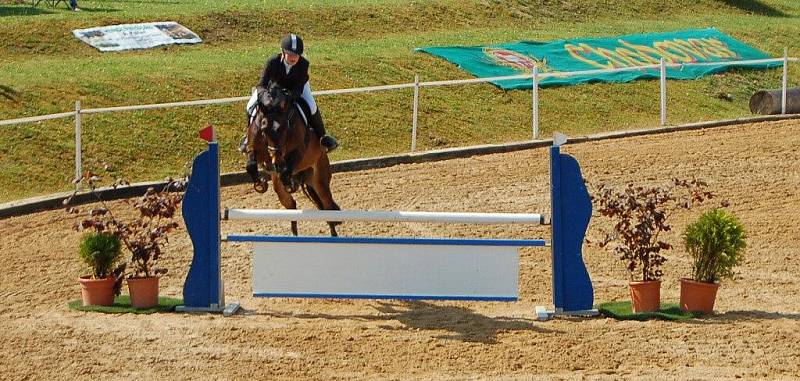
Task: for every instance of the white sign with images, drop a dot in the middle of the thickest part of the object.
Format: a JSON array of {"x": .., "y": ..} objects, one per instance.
[{"x": 136, "y": 36}]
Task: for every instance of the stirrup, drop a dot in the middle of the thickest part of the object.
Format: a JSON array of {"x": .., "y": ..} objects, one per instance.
[
  {"x": 243, "y": 144},
  {"x": 329, "y": 143}
]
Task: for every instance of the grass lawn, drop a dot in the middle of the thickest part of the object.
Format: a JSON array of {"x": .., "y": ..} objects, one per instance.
[{"x": 44, "y": 69}]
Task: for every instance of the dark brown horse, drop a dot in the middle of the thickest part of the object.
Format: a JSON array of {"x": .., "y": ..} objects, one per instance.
[{"x": 279, "y": 143}]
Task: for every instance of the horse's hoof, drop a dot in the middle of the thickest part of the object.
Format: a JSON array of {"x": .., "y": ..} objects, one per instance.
[
  {"x": 260, "y": 187},
  {"x": 292, "y": 186}
]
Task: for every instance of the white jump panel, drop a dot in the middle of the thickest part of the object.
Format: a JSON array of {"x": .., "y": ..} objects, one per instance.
[{"x": 385, "y": 271}]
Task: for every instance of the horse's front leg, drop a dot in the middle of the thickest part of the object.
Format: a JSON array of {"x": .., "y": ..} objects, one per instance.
[
  {"x": 286, "y": 169},
  {"x": 254, "y": 160},
  {"x": 284, "y": 197},
  {"x": 259, "y": 183}
]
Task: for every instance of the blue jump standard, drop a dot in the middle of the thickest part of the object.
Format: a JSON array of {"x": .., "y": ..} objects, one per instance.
[{"x": 571, "y": 211}]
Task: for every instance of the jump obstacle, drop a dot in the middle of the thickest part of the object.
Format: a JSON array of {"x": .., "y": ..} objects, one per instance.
[{"x": 388, "y": 268}]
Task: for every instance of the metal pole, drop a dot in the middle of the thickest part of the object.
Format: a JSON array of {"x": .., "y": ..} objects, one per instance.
[
  {"x": 663, "y": 93},
  {"x": 785, "y": 79},
  {"x": 414, "y": 120},
  {"x": 535, "y": 103},
  {"x": 78, "y": 171},
  {"x": 374, "y": 215}
]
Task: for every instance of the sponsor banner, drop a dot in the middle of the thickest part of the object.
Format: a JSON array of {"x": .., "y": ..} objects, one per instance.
[
  {"x": 681, "y": 47},
  {"x": 136, "y": 36}
]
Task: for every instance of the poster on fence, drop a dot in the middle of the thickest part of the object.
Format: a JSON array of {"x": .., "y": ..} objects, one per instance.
[
  {"x": 581, "y": 54},
  {"x": 136, "y": 36}
]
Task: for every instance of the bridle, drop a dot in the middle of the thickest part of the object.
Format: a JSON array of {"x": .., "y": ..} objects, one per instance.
[
  {"x": 273, "y": 120},
  {"x": 273, "y": 113}
]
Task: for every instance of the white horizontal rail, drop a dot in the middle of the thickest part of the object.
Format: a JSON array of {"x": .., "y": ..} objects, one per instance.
[
  {"x": 564, "y": 74},
  {"x": 541, "y": 76},
  {"x": 202, "y": 102},
  {"x": 473, "y": 80},
  {"x": 34, "y": 119},
  {"x": 362, "y": 215},
  {"x": 744, "y": 62},
  {"x": 364, "y": 89}
]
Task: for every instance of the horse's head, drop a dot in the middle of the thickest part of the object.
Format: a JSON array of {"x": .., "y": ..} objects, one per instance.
[
  {"x": 272, "y": 127},
  {"x": 274, "y": 100}
]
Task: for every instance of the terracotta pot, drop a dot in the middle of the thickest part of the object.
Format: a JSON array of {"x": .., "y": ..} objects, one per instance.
[
  {"x": 97, "y": 292},
  {"x": 698, "y": 296},
  {"x": 144, "y": 292},
  {"x": 645, "y": 296}
]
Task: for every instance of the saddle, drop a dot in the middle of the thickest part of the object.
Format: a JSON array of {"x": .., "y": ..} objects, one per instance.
[{"x": 302, "y": 106}]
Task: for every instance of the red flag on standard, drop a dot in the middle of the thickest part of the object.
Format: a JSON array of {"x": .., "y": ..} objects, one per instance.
[{"x": 207, "y": 134}]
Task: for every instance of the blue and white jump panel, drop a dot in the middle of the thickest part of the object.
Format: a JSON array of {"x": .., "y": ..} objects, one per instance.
[
  {"x": 396, "y": 268},
  {"x": 386, "y": 268}
]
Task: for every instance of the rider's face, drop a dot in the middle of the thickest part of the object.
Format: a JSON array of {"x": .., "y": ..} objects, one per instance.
[{"x": 290, "y": 57}]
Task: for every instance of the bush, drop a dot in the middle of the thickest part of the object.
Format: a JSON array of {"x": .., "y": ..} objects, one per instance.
[
  {"x": 640, "y": 215},
  {"x": 100, "y": 252},
  {"x": 143, "y": 235},
  {"x": 146, "y": 235},
  {"x": 716, "y": 243}
]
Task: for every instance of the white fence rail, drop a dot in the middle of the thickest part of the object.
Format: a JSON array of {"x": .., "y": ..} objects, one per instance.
[{"x": 416, "y": 85}]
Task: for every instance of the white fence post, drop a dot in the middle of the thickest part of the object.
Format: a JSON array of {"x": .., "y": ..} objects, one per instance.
[
  {"x": 78, "y": 171},
  {"x": 414, "y": 120},
  {"x": 785, "y": 79},
  {"x": 535, "y": 103},
  {"x": 663, "y": 93}
]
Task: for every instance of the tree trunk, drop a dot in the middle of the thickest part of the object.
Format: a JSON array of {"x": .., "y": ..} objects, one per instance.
[{"x": 768, "y": 102}]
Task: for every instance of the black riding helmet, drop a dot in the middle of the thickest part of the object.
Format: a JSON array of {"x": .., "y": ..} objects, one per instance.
[{"x": 292, "y": 43}]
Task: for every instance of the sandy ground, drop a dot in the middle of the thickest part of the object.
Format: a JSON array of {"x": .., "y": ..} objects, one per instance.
[{"x": 754, "y": 335}]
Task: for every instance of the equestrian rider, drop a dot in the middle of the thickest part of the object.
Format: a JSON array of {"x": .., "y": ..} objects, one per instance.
[{"x": 289, "y": 70}]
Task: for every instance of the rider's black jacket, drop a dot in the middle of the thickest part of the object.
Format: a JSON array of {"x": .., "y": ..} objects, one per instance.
[{"x": 275, "y": 72}]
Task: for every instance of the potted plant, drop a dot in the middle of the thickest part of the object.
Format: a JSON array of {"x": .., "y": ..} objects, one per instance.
[
  {"x": 639, "y": 215},
  {"x": 143, "y": 236},
  {"x": 100, "y": 252},
  {"x": 716, "y": 243}
]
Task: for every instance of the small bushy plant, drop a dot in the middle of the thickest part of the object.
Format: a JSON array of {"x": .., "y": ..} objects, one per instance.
[
  {"x": 100, "y": 251},
  {"x": 640, "y": 215},
  {"x": 143, "y": 235},
  {"x": 716, "y": 242}
]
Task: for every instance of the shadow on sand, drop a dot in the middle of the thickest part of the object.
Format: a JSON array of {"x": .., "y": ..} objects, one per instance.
[{"x": 459, "y": 323}]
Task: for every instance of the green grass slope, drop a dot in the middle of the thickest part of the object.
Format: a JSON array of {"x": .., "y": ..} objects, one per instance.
[{"x": 44, "y": 69}]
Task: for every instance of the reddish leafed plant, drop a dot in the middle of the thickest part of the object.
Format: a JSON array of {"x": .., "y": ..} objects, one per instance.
[
  {"x": 639, "y": 216},
  {"x": 143, "y": 235}
]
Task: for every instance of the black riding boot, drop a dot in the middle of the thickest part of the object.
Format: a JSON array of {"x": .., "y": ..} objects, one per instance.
[{"x": 326, "y": 140}]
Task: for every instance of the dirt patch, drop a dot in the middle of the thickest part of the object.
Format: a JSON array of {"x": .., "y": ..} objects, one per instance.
[{"x": 755, "y": 334}]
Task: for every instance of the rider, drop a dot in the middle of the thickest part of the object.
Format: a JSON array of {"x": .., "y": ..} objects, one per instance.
[{"x": 289, "y": 69}]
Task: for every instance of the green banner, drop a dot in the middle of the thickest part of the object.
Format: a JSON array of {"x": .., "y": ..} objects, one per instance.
[{"x": 681, "y": 47}]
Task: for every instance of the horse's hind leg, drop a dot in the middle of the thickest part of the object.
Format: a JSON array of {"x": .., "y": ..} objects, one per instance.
[
  {"x": 284, "y": 197},
  {"x": 312, "y": 194},
  {"x": 320, "y": 193}
]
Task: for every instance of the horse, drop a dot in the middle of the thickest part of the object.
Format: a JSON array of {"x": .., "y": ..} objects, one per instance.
[{"x": 279, "y": 142}]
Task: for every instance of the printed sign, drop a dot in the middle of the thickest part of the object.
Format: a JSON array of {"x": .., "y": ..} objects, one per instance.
[
  {"x": 681, "y": 47},
  {"x": 136, "y": 36}
]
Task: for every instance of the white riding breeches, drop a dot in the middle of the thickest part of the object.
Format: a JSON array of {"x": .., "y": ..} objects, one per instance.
[
  {"x": 312, "y": 105},
  {"x": 251, "y": 104}
]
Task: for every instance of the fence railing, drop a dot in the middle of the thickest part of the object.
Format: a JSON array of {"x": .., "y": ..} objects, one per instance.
[{"x": 535, "y": 76}]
